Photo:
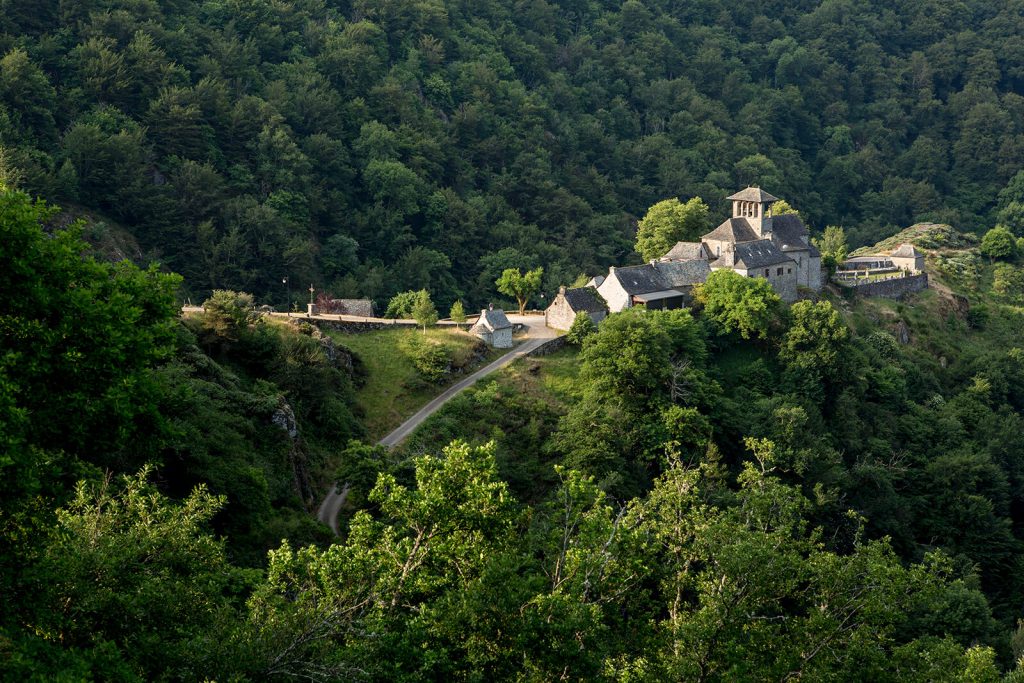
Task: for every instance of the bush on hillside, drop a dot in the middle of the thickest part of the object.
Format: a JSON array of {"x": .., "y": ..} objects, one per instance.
[{"x": 582, "y": 327}]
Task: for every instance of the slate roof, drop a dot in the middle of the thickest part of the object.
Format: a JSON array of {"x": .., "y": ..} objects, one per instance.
[
  {"x": 683, "y": 273},
  {"x": 684, "y": 251},
  {"x": 585, "y": 299},
  {"x": 753, "y": 194},
  {"x": 595, "y": 281},
  {"x": 733, "y": 230},
  {"x": 657, "y": 296},
  {"x": 906, "y": 251},
  {"x": 491, "y": 320},
  {"x": 361, "y": 307},
  {"x": 640, "y": 279},
  {"x": 759, "y": 254},
  {"x": 790, "y": 234}
]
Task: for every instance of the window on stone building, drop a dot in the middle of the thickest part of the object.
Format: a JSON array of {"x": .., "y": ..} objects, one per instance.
[
  {"x": 778, "y": 271},
  {"x": 788, "y": 271},
  {"x": 766, "y": 272}
]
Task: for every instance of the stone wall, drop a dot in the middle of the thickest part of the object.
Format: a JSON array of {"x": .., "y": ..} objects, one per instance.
[
  {"x": 353, "y": 326},
  {"x": 896, "y": 288},
  {"x": 556, "y": 344}
]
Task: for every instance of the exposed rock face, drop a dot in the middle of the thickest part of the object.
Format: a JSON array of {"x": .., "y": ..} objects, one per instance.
[
  {"x": 284, "y": 417},
  {"x": 339, "y": 357},
  {"x": 902, "y": 333}
]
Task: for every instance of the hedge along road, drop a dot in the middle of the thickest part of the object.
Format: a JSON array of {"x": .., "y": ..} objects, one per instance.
[{"x": 537, "y": 334}]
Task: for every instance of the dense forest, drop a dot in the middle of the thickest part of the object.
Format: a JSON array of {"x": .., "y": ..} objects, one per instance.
[
  {"x": 377, "y": 146},
  {"x": 831, "y": 490},
  {"x": 745, "y": 491}
]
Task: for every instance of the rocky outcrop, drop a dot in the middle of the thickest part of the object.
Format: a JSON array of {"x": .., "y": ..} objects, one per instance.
[{"x": 283, "y": 418}]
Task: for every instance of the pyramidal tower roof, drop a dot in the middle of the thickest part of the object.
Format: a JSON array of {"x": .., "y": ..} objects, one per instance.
[{"x": 753, "y": 194}]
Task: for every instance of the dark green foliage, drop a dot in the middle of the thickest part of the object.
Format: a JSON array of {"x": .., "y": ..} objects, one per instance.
[
  {"x": 401, "y": 305},
  {"x": 78, "y": 341},
  {"x": 998, "y": 243},
  {"x": 372, "y": 148},
  {"x": 743, "y": 306},
  {"x": 432, "y": 360},
  {"x": 582, "y": 327}
]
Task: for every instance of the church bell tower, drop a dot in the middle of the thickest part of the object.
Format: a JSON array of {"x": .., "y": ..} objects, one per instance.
[{"x": 755, "y": 205}]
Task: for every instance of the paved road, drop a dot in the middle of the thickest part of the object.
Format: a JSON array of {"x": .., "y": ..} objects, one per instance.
[{"x": 537, "y": 334}]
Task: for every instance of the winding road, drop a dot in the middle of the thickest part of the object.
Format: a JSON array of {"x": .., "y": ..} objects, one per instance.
[{"x": 537, "y": 334}]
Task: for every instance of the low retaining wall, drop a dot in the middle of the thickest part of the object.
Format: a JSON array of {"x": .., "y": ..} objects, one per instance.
[
  {"x": 353, "y": 326},
  {"x": 896, "y": 288},
  {"x": 556, "y": 344}
]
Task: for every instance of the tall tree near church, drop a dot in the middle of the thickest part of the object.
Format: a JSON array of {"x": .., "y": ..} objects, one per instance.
[
  {"x": 521, "y": 286},
  {"x": 668, "y": 222},
  {"x": 832, "y": 246}
]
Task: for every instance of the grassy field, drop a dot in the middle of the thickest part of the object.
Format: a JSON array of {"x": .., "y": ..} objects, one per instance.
[{"x": 394, "y": 389}]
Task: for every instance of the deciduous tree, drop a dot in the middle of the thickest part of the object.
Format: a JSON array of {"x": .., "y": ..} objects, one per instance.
[
  {"x": 668, "y": 222},
  {"x": 520, "y": 286}
]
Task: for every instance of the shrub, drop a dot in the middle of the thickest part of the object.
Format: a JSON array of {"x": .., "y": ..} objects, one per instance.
[
  {"x": 228, "y": 314},
  {"x": 401, "y": 305},
  {"x": 432, "y": 361},
  {"x": 582, "y": 327}
]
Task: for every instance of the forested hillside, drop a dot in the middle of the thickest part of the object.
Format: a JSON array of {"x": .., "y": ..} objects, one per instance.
[
  {"x": 377, "y": 146},
  {"x": 746, "y": 491}
]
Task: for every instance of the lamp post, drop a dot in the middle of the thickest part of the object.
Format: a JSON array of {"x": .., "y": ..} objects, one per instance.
[{"x": 288, "y": 301}]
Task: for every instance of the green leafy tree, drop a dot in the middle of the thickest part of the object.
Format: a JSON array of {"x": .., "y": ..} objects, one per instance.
[
  {"x": 1008, "y": 280},
  {"x": 457, "y": 313},
  {"x": 742, "y": 305},
  {"x": 582, "y": 327},
  {"x": 129, "y": 567},
  {"x": 998, "y": 243},
  {"x": 401, "y": 305},
  {"x": 782, "y": 207},
  {"x": 352, "y": 607},
  {"x": 520, "y": 286},
  {"x": 832, "y": 246},
  {"x": 423, "y": 310},
  {"x": 668, "y": 222},
  {"x": 228, "y": 315},
  {"x": 724, "y": 570},
  {"x": 816, "y": 338}
]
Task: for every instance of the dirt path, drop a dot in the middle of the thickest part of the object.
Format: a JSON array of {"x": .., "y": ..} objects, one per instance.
[{"x": 537, "y": 335}]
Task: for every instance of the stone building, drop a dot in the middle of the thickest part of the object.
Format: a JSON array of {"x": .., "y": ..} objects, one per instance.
[
  {"x": 360, "y": 307},
  {"x": 571, "y": 302},
  {"x": 755, "y": 243},
  {"x": 907, "y": 258},
  {"x": 657, "y": 285},
  {"x": 494, "y": 328},
  {"x": 752, "y": 242}
]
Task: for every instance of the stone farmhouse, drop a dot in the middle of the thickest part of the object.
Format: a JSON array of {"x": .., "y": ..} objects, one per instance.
[
  {"x": 494, "y": 328},
  {"x": 571, "y": 302},
  {"x": 657, "y": 285}
]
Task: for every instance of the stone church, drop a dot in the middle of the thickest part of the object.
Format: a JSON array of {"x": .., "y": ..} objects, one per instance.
[
  {"x": 755, "y": 243},
  {"x": 752, "y": 242}
]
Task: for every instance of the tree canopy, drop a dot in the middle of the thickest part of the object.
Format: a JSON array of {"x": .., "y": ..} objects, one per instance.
[{"x": 668, "y": 222}]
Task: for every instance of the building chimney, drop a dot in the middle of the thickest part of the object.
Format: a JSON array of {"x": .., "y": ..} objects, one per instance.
[
  {"x": 728, "y": 257},
  {"x": 490, "y": 307},
  {"x": 561, "y": 290}
]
